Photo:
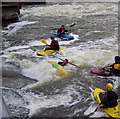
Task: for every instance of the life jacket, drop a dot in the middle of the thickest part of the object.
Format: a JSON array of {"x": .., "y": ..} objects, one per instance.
[
  {"x": 117, "y": 66},
  {"x": 54, "y": 45},
  {"x": 61, "y": 63},
  {"x": 63, "y": 30},
  {"x": 108, "y": 99}
]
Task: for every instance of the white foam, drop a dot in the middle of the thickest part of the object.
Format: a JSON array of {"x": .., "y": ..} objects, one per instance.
[
  {"x": 17, "y": 48},
  {"x": 14, "y": 27},
  {"x": 72, "y": 10},
  {"x": 41, "y": 102},
  {"x": 36, "y": 105},
  {"x": 98, "y": 113},
  {"x": 92, "y": 56},
  {"x": 39, "y": 43},
  {"x": 38, "y": 70}
]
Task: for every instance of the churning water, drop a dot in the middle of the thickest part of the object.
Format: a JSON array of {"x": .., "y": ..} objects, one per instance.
[{"x": 31, "y": 85}]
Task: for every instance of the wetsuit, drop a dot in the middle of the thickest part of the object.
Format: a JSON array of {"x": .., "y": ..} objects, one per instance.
[{"x": 108, "y": 99}]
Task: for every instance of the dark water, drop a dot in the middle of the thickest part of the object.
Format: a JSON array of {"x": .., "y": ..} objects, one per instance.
[{"x": 31, "y": 85}]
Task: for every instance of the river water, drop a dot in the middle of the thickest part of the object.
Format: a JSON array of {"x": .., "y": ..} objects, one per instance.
[{"x": 31, "y": 86}]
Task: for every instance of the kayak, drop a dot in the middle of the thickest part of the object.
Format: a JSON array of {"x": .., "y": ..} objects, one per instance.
[
  {"x": 59, "y": 68},
  {"x": 103, "y": 72},
  {"x": 64, "y": 36},
  {"x": 114, "y": 111},
  {"x": 48, "y": 52}
]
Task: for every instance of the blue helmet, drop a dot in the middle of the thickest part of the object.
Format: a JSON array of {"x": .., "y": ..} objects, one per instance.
[
  {"x": 117, "y": 57},
  {"x": 62, "y": 25}
]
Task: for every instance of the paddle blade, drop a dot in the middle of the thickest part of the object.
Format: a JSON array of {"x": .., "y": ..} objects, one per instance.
[
  {"x": 91, "y": 114},
  {"x": 72, "y": 25},
  {"x": 43, "y": 41}
]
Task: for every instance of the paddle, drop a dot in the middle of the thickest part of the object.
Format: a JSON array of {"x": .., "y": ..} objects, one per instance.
[
  {"x": 70, "y": 63},
  {"x": 92, "y": 113},
  {"x": 44, "y": 41},
  {"x": 72, "y": 25}
]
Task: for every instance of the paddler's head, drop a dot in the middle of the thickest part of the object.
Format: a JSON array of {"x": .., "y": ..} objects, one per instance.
[
  {"x": 109, "y": 87},
  {"x": 117, "y": 59},
  {"x": 65, "y": 61},
  {"x": 52, "y": 38},
  {"x": 62, "y": 26}
]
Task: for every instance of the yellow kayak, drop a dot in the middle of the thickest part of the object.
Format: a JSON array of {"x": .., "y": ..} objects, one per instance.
[
  {"x": 59, "y": 68},
  {"x": 48, "y": 52},
  {"x": 114, "y": 111}
]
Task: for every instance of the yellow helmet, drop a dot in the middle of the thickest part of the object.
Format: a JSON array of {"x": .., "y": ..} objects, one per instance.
[{"x": 109, "y": 87}]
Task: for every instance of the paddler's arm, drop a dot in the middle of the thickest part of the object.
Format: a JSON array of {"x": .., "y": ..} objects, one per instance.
[
  {"x": 58, "y": 32},
  {"x": 111, "y": 66},
  {"x": 66, "y": 32},
  {"x": 107, "y": 68},
  {"x": 99, "y": 106},
  {"x": 105, "y": 105}
]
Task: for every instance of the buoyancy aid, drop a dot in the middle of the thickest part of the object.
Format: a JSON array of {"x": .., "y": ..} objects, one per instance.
[
  {"x": 63, "y": 30},
  {"x": 117, "y": 66},
  {"x": 54, "y": 45}
]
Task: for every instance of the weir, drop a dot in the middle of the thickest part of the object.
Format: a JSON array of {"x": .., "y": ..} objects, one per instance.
[{"x": 11, "y": 10}]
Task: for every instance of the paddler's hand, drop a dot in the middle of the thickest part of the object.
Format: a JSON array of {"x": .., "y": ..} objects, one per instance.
[
  {"x": 98, "y": 106},
  {"x": 108, "y": 67},
  {"x": 56, "y": 51}
]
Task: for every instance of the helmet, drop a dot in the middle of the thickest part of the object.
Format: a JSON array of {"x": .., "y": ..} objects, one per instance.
[
  {"x": 52, "y": 37},
  {"x": 62, "y": 25},
  {"x": 117, "y": 57},
  {"x": 109, "y": 87}
]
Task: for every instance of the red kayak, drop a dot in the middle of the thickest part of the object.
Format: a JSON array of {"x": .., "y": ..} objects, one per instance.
[{"x": 103, "y": 72}]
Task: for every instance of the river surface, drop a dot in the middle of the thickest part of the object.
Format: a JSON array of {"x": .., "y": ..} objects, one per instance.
[{"x": 31, "y": 86}]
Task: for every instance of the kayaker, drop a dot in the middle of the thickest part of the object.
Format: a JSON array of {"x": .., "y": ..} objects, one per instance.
[
  {"x": 115, "y": 68},
  {"x": 63, "y": 63},
  {"x": 62, "y": 30},
  {"x": 109, "y": 98},
  {"x": 54, "y": 45}
]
